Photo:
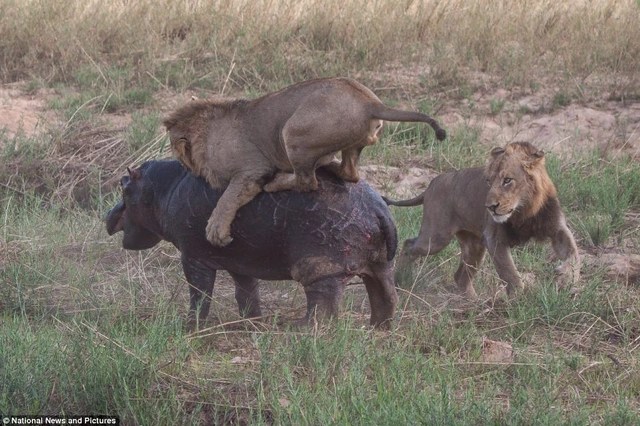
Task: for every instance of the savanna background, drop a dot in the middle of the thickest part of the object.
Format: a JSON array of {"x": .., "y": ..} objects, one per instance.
[{"x": 86, "y": 327}]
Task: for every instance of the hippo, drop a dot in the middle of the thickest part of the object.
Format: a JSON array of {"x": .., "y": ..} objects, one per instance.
[{"x": 321, "y": 239}]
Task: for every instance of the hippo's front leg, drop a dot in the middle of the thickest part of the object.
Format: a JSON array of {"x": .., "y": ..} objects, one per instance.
[{"x": 201, "y": 279}]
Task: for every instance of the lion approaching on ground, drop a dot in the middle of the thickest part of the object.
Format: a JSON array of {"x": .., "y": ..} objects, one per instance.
[
  {"x": 493, "y": 209},
  {"x": 278, "y": 140}
]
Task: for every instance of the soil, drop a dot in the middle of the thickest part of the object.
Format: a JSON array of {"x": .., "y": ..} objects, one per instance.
[
  {"x": 22, "y": 113},
  {"x": 611, "y": 127}
]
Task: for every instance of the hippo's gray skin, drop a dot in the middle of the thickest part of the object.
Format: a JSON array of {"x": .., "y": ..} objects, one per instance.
[{"x": 321, "y": 238}]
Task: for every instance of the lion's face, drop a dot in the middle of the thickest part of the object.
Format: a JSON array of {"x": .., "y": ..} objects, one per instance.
[{"x": 518, "y": 182}]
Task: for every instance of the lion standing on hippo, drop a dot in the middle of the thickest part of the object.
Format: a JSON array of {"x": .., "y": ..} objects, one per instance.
[
  {"x": 505, "y": 204},
  {"x": 277, "y": 141}
]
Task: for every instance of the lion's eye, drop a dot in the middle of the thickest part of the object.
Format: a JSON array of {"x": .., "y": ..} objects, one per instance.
[{"x": 506, "y": 181}]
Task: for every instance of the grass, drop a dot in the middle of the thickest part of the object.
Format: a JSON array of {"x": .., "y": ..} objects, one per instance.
[
  {"x": 86, "y": 327},
  {"x": 604, "y": 194},
  {"x": 89, "y": 328}
]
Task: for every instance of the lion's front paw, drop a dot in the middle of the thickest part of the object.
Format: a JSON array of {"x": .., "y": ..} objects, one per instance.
[
  {"x": 470, "y": 294},
  {"x": 567, "y": 274},
  {"x": 218, "y": 235},
  {"x": 515, "y": 288}
]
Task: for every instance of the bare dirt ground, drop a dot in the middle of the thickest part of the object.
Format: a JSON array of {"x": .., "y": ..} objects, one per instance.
[
  {"x": 501, "y": 117},
  {"x": 565, "y": 130},
  {"x": 23, "y": 113}
]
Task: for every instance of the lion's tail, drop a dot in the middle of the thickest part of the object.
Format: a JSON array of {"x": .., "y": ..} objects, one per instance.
[
  {"x": 383, "y": 112},
  {"x": 405, "y": 203}
]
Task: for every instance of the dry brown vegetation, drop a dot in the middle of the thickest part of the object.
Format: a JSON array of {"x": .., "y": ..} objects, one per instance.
[{"x": 257, "y": 43}]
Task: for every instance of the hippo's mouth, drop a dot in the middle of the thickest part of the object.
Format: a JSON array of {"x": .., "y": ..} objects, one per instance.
[{"x": 115, "y": 219}]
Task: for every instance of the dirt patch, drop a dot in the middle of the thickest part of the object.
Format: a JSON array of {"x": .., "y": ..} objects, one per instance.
[
  {"x": 619, "y": 267},
  {"x": 23, "y": 114},
  {"x": 503, "y": 117},
  {"x": 396, "y": 181}
]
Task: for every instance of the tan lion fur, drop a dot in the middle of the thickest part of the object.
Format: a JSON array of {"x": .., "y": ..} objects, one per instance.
[
  {"x": 278, "y": 140},
  {"x": 494, "y": 208}
]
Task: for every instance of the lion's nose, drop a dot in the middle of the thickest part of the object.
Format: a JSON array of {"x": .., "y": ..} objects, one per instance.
[{"x": 493, "y": 207}]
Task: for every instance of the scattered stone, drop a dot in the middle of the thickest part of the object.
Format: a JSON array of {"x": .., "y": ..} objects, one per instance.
[{"x": 496, "y": 352}]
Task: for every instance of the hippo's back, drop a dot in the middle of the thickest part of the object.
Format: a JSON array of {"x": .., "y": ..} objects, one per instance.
[{"x": 341, "y": 226}]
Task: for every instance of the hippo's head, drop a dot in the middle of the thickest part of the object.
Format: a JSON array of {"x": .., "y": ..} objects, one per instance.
[{"x": 134, "y": 213}]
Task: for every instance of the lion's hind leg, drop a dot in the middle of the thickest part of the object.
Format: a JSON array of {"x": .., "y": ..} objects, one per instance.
[
  {"x": 566, "y": 250},
  {"x": 425, "y": 244},
  {"x": 311, "y": 141},
  {"x": 301, "y": 182},
  {"x": 348, "y": 168},
  {"x": 472, "y": 253}
]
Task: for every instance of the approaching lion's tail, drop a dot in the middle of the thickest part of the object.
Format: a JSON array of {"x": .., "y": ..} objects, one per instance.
[
  {"x": 383, "y": 112},
  {"x": 405, "y": 203},
  {"x": 416, "y": 201}
]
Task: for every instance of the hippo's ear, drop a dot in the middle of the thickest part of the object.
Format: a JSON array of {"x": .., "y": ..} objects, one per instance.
[{"x": 134, "y": 174}]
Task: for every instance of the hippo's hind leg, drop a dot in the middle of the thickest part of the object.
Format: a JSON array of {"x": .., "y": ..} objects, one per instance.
[
  {"x": 201, "y": 280},
  {"x": 382, "y": 295},
  {"x": 247, "y": 295},
  {"x": 323, "y": 297}
]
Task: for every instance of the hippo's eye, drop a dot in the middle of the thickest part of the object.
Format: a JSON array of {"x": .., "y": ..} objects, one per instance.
[{"x": 506, "y": 181}]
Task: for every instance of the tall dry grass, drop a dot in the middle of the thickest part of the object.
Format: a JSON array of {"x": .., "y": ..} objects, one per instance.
[{"x": 269, "y": 40}]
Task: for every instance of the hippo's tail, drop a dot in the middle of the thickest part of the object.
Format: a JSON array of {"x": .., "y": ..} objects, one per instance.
[{"x": 389, "y": 233}]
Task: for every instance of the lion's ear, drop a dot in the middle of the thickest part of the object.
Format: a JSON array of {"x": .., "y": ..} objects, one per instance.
[
  {"x": 534, "y": 159},
  {"x": 181, "y": 148},
  {"x": 497, "y": 151}
]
